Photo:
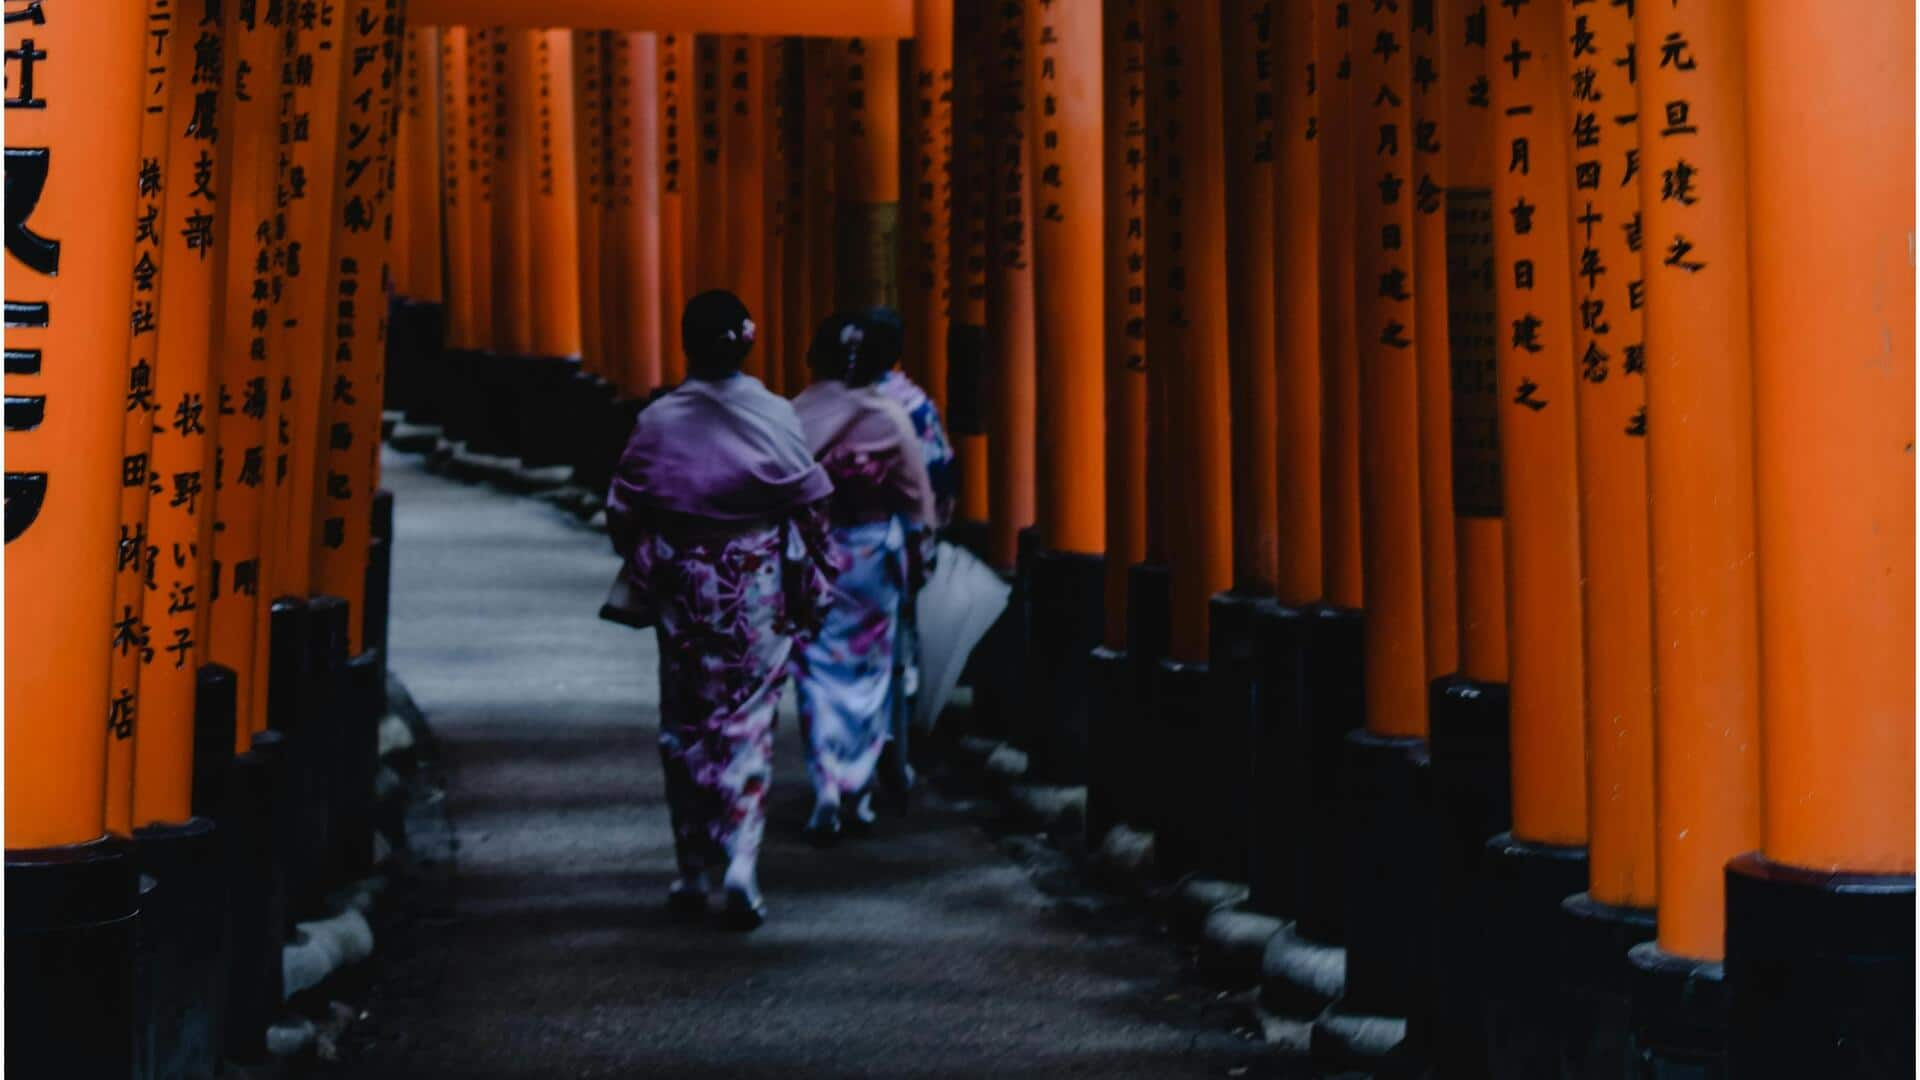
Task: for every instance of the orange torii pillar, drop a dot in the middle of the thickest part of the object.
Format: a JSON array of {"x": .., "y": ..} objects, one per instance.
[
  {"x": 798, "y": 292},
  {"x": 417, "y": 324},
  {"x": 770, "y": 104},
  {"x": 133, "y": 649},
  {"x": 1009, "y": 312},
  {"x": 1252, "y": 347},
  {"x": 467, "y": 359},
  {"x": 1388, "y": 861},
  {"x": 1114, "y": 743},
  {"x": 460, "y": 185},
  {"x": 590, "y": 175},
  {"x": 1603, "y": 196},
  {"x": 965, "y": 402},
  {"x": 742, "y": 105},
  {"x": 1187, "y": 39},
  {"x": 1066, "y": 575},
  {"x": 73, "y": 93},
  {"x": 1281, "y": 804},
  {"x": 1327, "y": 649},
  {"x": 674, "y": 104},
  {"x": 705, "y": 236},
  {"x": 506, "y": 375},
  {"x": 1820, "y": 952},
  {"x": 547, "y": 418},
  {"x": 926, "y": 291},
  {"x": 250, "y": 123},
  {"x": 1541, "y": 860},
  {"x": 1693, "y": 183},
  {"x": 867, "y": 174},
  {"x": 184, "y": 739},
  {"x": 1467, "y": 710}
]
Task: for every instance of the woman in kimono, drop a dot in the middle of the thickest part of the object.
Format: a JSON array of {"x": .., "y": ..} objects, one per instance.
[
  {"x": 884, "y": 343},
  {"x": 868, "y": 447},
  {"x": 719, "y": 510}
]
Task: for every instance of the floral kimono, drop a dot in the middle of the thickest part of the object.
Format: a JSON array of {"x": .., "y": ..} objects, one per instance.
[
  {"x": 719, "y": 511},
  {"x": 845, "y": 673}
]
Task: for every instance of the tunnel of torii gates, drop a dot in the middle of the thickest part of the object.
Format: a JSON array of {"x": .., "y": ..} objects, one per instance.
[{"x": 1455, "y": 458}]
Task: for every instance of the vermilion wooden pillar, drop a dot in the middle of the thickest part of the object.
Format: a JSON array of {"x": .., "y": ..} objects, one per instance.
[
  {"x": 1819, "y": 923},
  {"x": 482, "y": 88},
  {"x": 242, "y": 345},
  {"x": 1474, "y": 452},
  {"x": 800, "y": 295},
  {"x": 1251, "y": 132},
  {"x": 420, "y": 179},
  {"x": 1534, "y": 326},
  {"x": 74, "y": 83},
  {"x": 1124, "y": 258},
  {"x": 460, "y": 186},
  {"x": 181, "y": 456},
  {"x": 743, "y": 107},
  {"x": 553, "y": 191},
  {"x": 1700, "y": 469},
  {"x": 1383, "y": 286},
  {"x": 356, "y": 337},
  {"x": 1610, "y": 404},
  {"x": 590, "y": 177},
  {"x": 1009, "y": 314},
  {"x": 129, "y": 576},
  {"x": 1297, "y": 79},
  {"x": 674, "y": 55},
  {"x": 867, "y": 174},
  {"x": 967, "y": 269},
  {"x": 1431, "y": 104},
  {"x": 1339, "y": 373},
  {"x": 771, "y": 102},
  {"x": 513, "y": 111},
  {"x": 930, "y": 168},
  {"x": 299, "y": 362},
  {"x": 707, "y": 238},
  {"x": 632, "y": 244}
]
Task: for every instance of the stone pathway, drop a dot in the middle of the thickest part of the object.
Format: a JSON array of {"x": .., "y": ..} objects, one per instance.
[{"x": 928, "y": 949}]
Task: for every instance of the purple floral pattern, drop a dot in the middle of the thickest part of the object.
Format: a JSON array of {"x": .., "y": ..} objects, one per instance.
[{"x": 729, "y": 609}]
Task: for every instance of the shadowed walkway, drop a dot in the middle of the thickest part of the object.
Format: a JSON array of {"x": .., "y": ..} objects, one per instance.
[{"x": 920, "y": 951}]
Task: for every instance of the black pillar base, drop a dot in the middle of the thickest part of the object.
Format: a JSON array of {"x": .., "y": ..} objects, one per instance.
[
  {"x": 1388, "y": 848},
  {"x": 378, "y": 595},
  {"x": 1524, "y": 952},
  {"x": 1471, "y": 783},
  {"x": 254, "y": 831},
  {"x": 1067, "y": 611},
  {"x": 357, "y": 760},
  {"x": 1598, "y": 1033},
  {"x": 1188, "y": 768},
  {"x": 1819, "y": 971},
  {"x": 996, "y": 667},
  {"x": 605, "y": 429},
  {"x": 458, "y": 396},
  {"x": 504, "y": 381},
  {"x": 421, "y": 369},
  {"x": 1336, "y": 706},
  {"x": 215, "y": 706},
  {"x": 294, "y": 690},
  {"x": 1679, "y": 1016},
  {"x": 971, "y": 535},
  {"x": 70, "y": 940},
  {"x": 1149, "y": 624},
  {"x": 1279, "y": 811},
  {"x": 1230, "y": 661},
  {"x": 545, "y": 422},
  {"x": 1110, "y": 734},
  {"x": 318, "y": 749},
  {"x": 182, "y": 941}
]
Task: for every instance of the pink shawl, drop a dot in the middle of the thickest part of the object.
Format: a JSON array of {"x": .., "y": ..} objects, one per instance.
[
  {"x": 726, "y": 451},
  {"x": 861, "y": 435}
]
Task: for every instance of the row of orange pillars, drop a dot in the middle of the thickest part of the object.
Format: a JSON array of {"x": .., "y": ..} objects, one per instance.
[{"x": 1454, "y": 458}]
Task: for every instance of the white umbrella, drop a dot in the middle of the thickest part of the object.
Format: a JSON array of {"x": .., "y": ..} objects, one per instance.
[{"x": 957, "y": 606}]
